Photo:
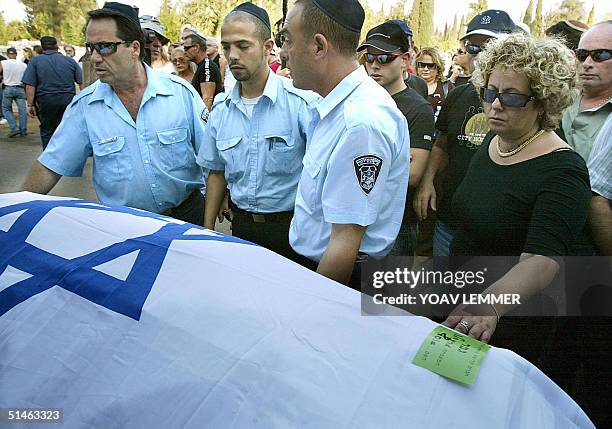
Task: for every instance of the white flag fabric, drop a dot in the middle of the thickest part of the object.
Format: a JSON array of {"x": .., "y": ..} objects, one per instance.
[{"x": 128, "y": 319}]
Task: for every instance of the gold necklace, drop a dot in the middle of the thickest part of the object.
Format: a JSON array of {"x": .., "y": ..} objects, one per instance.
[{"x": 520, "y": 148}]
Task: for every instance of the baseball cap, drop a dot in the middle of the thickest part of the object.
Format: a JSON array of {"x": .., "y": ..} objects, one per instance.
[
  {"x": 11, "y": 51},
  {"x": 48, "y": 41},
  {"x": 490, "y": 23},
  {"x": 149, "y": 22},
  {"x": 386, "y": 37}
]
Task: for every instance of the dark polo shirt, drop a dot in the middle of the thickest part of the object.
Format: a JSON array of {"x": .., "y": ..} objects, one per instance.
[{"x": 52, "y": 73}]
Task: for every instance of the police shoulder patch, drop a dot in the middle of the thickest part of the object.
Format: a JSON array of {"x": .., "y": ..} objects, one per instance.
[
  {"x": 367, "y": 169},
  {"x": 204, "y": 116}
]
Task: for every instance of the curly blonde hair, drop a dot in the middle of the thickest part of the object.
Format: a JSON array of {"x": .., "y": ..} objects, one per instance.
[
  {"x": 549, "y": 65},
  {"x": 437, "y": 60}
]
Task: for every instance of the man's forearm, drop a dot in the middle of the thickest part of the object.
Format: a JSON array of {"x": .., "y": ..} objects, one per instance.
[
  {"x": 30, "y": 92},
  {"x": 438, "y": 159},
  {"x": 339, "y": 258},
  {"x": 215, "y": 192},
  {"x": 600, "y": 222},
  {"x": 40, "y": 179}
]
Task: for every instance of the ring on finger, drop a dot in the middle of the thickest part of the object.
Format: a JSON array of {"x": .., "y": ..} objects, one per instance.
[{"x": 465, "y": 325}]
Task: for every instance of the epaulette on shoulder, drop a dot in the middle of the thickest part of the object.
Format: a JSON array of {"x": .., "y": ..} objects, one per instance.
[
  {"x": 176, "y": 79},
  {"x": 220, "y": 98},
  {"x": 88, "y": 90},
  {"x": 306, "y": 95}
]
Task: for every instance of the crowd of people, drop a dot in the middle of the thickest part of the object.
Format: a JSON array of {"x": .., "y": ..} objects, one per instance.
[{"x": 330, "y": 151}]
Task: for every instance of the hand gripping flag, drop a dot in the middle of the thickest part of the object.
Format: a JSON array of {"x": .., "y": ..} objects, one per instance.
[{"x": 127, "y": 319}]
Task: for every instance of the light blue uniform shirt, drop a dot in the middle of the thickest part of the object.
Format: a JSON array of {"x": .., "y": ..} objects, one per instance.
[
  {"x": 261, "y": 156},
  {"x": 150, "y": 164},
  {"x": 356, "y": 169}
]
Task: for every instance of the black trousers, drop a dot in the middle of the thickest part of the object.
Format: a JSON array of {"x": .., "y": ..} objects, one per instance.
[
  {"x": 269, "y": 231},
  {"x": 191, "y": 210},
  {"x": 51, "y": 108}
]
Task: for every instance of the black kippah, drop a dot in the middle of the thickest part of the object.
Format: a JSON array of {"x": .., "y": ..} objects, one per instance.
[
  {"x": 256, "y": 11},
  {"x": 348, "y": 13}
]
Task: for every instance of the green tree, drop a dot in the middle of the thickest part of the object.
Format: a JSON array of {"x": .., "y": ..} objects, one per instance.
[
  {"x": 568, "y": 9},
  {"x": 476, "y": 7},
  {"x": 461, "y": 30},
  {"x": 171, "y": 20},
  {"x": 424, "y": 36},
  {"x": 414, "y": 16},
  {"x": 528, "y": 16},
  {"x": 397, "y": 10},
  {"x": 591, "y": 18},
  {"x": 63, "y": 19},
  {"x": 537, "y": 25}
]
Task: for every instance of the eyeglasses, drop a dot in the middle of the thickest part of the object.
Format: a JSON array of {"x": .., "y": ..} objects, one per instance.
[
  {"x": 186, "y": 48},
  {"x": 429, "y": 66},
  {"x": 598, "y": 55},
  {"x": 381, "y": 58},
  {"x": 473, "y": 49},
  {"x": 105, "y": 48},
  {"x": 179, "y": 61},
  {"x": 507, "y": 99}
]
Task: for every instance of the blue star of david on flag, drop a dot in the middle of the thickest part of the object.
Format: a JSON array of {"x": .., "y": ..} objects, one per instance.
[{"x": 39, "y": 270}]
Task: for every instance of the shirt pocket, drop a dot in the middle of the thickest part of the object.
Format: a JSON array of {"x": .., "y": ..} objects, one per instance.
[
  {"x": 283, "y": 156},
  {"x": 229, "y": 152},
  {"x": 309, "y": 181},
  {"x": 176, "y": 151},
  {"x": 112, "y": 160}
]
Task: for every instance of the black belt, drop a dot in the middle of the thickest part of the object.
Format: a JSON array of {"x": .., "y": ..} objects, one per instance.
[
  {"x": 263, "y": 217},
  {"x": 14, "y": 86}
]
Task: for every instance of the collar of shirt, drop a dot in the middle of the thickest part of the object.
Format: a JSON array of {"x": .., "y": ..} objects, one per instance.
[
  {"x": 341, "y": 91},
  {"x": 157, "y": 84},
  {"x": 50, "y": 52},
  {"x": 270, "y": 91}
]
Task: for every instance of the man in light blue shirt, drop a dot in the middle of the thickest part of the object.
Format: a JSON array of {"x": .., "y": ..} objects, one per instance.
[
  {"x": 142, "y": 127},
  {"x": 351, "y": 194},
  {"x": 256, "y": 137}
]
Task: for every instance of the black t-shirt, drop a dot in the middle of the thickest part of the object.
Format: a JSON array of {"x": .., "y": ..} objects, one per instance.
[
  {"x": 439, "y": 95},
  {"x": 465, "y": 126},
  {"x": 419, "y": 115},
  {"x": 207, "y": 71},
  {"x": 462, "y": 80},
  {"x": 418, "y": 84},
  {"x": 536, "y": 206}
]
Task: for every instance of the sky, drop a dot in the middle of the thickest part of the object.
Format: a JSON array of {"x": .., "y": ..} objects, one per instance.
[{"x": 444, "y": 12}]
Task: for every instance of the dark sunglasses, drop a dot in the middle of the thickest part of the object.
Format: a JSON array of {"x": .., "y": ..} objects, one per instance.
[
  {"x": 429, "y": 66},
  {"x": 186, "y": 48},
  {"x": 473, "y": 49},
  {"x": 104, "y": 48},
  {"x": 179, "y": 61},
  {"x": 598, "y": 55},
  {"x": 507, "y": 99},
  {"x": 381, "y": 58}
]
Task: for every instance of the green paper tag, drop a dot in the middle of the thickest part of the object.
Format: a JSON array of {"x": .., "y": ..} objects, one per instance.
[{"x": 451, "y": 354}]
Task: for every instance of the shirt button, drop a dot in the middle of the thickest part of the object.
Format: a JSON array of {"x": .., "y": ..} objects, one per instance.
[{"x": 146, "y": 161}]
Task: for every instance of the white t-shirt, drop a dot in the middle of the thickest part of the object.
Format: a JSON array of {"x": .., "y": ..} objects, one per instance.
[
  {"x": 12, "y": 71},
  {"x": 249, "y": 104}
]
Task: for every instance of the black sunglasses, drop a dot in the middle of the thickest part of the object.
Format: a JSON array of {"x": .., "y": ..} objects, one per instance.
[
  {"x": 423, "y": 65},
  {"x": 507, "y": 99},
  {"x": 473, "y": 49},
  {"x": 104, "y": 48},
  {"x": 186, "y": 48},
  {"x": 381, "y": 58},
  {"x": 598, "y": 55}
]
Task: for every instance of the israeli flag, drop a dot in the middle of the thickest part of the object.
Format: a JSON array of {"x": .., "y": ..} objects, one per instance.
[{"x": 128, "y": 319}]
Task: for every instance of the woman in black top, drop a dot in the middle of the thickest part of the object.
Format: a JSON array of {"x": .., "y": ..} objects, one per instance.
[
  {"x": 526, "y": 192},
  {"x": 431, "y": 68}
]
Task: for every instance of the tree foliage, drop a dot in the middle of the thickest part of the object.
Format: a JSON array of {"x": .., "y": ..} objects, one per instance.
[
  {"x": 591, "y": 18},
  {"x": 12, "y": 30},
  {"x": 476, "y": 7},
  {"x": 568, "y": 9},
  {"x": 64, "y": 19},
  {"x": 537, "y": 28},
  {"x": 528, "y": 15}
]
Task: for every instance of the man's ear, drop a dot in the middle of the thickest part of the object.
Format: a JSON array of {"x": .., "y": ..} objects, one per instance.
[
  {"x": 136, "y": 48},
  {"x": 321, "y": 46},
  {"x": 405, "y": 60},
  {"x": 268, "y": 46}
]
